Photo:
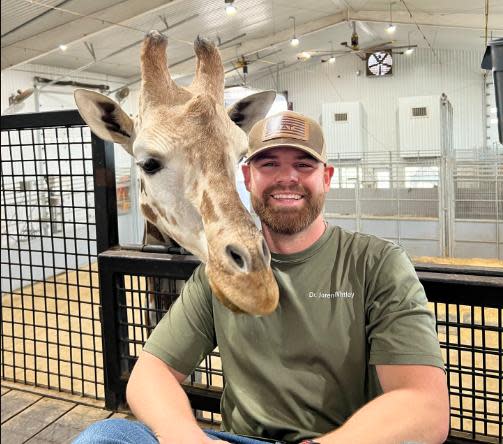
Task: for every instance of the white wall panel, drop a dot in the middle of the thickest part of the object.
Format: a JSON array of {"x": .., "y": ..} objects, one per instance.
[
  {"x": 53, "y": 97},
  {"x": 345, "y": 138},
  {"x": 456, "y": 73}
]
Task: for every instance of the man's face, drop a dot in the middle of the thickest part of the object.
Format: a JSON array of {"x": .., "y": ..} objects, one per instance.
[{"x": 287, "y": 188}]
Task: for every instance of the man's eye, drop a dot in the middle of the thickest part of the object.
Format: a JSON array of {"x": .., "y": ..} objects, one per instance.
[
  {"x": 304, "y": 165},
  {"x": 151, "y": 166}
]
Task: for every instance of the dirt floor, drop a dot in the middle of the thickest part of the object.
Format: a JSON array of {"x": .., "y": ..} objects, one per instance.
[{"x": 472, "y": 262}]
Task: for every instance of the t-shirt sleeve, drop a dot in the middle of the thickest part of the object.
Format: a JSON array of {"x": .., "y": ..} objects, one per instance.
[
  {"x": 400, "y": 326},
  {"x": 186, "y": 334}
]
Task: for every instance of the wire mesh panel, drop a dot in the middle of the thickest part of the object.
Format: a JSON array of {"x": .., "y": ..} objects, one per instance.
[
  {"x": 147, "y": 299},
  {"x": 50, "y": 328},
  {"x": 471, "y": 341},
  {"x": 469, "y": 313}
]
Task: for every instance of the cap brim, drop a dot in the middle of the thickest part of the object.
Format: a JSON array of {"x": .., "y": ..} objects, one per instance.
[{"x": 307, "y": 150}]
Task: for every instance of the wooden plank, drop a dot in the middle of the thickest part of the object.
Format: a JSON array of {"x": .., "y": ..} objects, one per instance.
[
  {"x": 5, "y": 390},
  {"x": 52, "y": 393},
  {"x": 66, "y": 428},
  {"x": 14, "y": 402},
  {"x": 33, "y": 419}
]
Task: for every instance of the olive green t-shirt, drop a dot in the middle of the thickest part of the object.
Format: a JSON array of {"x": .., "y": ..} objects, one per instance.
[{"x": 347, "y": 303}]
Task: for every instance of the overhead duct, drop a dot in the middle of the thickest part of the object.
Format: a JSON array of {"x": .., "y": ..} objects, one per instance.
[{"x": 43, "y": 80}]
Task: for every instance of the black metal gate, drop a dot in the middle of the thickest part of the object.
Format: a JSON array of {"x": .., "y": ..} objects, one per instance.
[{"x": 54, "y": 174}]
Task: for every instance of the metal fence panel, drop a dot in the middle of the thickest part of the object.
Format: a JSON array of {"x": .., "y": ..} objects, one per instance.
[
  {"x": 462, "y": 186},
  {"x": 51, "y": 235}
]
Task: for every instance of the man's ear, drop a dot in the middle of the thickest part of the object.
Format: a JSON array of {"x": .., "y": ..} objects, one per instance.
[
  {"x": 249, "y": 110},
  {"x": 105, "y": 118},
  {"x": 245, "y": 168}
]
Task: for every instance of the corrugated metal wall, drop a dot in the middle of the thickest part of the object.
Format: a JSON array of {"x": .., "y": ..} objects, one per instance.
[{"x": 456, "y": 73}]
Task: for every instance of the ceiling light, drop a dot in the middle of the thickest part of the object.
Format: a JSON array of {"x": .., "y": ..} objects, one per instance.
[
  {"x": 294, "y": 40},
  {"x": 409, "y": 51},
  {"x": 331, "y": 59},
  {"x": 230, "y": 9},
  {"x": 303, "y": 56},
  {"x": 391, "y": 27},
  {"x": 63, "y": 47}
]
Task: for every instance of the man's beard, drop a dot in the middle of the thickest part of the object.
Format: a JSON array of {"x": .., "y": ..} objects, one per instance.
[{"x": 288, "y": 220}]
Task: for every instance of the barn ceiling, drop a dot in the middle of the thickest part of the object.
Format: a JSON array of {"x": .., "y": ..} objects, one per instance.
[{"x": 104, "y": 36}]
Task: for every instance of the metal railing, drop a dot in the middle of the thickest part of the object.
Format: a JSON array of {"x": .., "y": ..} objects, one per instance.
[{"x": 467, "y": 303}]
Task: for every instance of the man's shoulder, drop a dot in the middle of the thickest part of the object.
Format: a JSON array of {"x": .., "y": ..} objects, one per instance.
[
  {"x": 199, "y": 280},
  {"x": 363, "y": 244}
]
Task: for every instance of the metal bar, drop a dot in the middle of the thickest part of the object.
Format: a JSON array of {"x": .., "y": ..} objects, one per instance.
[
  {"x": 114, "y": 386},
  {"x": 41, "y": 120},
  {"x": 105, "y": 196}
]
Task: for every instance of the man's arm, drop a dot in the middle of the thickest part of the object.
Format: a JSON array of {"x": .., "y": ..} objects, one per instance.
[
  {"x": 414, "y": 408},
  {"x": 156, "y": 398}
]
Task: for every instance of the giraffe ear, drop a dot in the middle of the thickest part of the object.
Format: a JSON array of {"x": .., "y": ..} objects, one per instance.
[
  {"x": 105, "y": 118},
  {"x": 249, "y": 110}
]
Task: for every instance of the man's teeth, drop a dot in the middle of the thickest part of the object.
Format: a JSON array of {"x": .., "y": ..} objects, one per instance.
[{"x": 287, "y": 196}]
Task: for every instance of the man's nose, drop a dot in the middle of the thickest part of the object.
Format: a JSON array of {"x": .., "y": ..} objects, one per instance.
[{"x": 287, "y": 174}]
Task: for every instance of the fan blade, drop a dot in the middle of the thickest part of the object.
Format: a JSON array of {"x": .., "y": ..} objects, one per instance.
[
  {"x": 381, "y": 45},
  {"x": 403, "y": 47}
]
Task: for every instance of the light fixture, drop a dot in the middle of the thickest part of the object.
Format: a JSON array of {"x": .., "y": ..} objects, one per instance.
[
  {"x": 332, "y": 57},
  {"x": 294, "y": 40},
  {"x": 303, "y": 56},
  {"x": 410, "y": 49},
  {"x": 230, "y": 9},
  {"x": 391, "y": 27},
  {"x": 63, "y": 47}
]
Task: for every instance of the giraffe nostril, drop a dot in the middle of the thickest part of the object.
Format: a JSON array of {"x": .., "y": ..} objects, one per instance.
[{"x": 236, "y": 256}]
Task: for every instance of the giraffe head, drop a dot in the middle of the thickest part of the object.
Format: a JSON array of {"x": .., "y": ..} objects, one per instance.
[{"x": 187, "y": 146}]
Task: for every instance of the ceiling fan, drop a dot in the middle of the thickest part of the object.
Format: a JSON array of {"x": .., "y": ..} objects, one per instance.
[
  {"x": 20, "y": 96},
  {"x": 363, "y": 53},
  {"x": 240, "y": 65}
]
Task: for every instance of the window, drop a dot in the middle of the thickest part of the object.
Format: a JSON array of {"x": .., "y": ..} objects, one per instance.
[
  {"x": 346, "y": 177},
  {"x": 421, "y": 177},
  {"x": 382, "y": 178}
]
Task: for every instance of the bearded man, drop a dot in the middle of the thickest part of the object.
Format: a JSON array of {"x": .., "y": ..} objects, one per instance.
[{"x": 349, "y": 356}]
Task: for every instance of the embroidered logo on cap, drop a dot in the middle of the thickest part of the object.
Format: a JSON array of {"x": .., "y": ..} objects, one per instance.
[{"x": 286, "y": 126}]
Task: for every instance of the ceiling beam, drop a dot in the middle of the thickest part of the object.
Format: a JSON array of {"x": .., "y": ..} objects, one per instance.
[
  {"x": 251, "y": 47},
  {"x": 78, "y": 30},
  {"x": 460, "y": 21}
]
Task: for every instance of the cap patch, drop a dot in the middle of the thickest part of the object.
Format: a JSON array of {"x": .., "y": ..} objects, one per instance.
[{"x": 285, "y": 126}]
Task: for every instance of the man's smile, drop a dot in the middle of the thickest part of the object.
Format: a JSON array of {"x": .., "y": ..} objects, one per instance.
[{"x": 286, "y": 196}]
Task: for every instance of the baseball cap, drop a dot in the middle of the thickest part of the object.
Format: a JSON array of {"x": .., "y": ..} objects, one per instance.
[{"x": 289, "y": 129}]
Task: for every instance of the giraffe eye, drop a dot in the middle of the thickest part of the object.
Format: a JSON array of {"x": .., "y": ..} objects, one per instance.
[{"x": 150, "y": 166}]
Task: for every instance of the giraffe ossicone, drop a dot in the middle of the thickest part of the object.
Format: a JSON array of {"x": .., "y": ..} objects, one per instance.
[{"x": 187, "y": 145}]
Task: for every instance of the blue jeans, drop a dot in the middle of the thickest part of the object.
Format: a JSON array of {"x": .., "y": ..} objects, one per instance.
[{"x": 124, "y": 431}]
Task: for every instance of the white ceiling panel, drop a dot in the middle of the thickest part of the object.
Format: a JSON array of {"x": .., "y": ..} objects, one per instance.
[{"x": 114, "y": 30}]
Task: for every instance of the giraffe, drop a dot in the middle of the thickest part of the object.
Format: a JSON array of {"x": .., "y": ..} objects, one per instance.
[{"x": 187, "y": 146}]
